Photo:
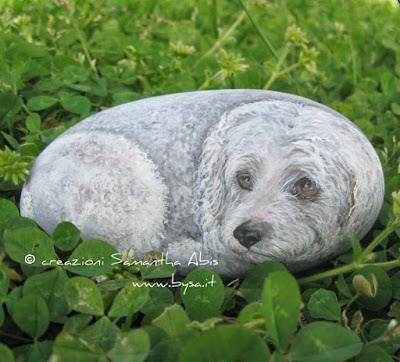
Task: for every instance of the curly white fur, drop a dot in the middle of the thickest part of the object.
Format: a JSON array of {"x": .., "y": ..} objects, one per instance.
[{"x": 160, "y": 174}]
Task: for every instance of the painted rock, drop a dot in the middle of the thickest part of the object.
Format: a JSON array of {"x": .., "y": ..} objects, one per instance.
[{"x": 221, "y": 179}]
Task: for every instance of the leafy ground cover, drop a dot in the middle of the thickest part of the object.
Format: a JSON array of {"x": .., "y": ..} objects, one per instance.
[{"x": 61, "y": 61}]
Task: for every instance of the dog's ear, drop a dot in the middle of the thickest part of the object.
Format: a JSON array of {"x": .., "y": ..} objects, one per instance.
[
  {"x": 346, "y": 208},
  {"x": 343, "y": 180},
  {"x": 210, "y": 183},
  {"x": 210, "y": 189}
]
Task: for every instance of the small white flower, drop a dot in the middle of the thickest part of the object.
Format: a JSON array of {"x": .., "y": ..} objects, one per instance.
[{"x": 392, "y": 325}]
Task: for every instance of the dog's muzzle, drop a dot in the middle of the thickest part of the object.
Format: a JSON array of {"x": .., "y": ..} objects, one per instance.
[{"x": 250, "y": 233}]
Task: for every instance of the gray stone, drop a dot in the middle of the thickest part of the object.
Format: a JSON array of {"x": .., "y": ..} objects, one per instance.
[{"x": 234, "y": 177}]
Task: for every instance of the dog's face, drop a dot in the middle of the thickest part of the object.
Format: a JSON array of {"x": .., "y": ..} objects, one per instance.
[{"x": 295, "y": 187}]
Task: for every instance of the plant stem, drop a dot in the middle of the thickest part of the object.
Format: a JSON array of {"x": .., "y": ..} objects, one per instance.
[
  {"x": 386, "y": 232},
  {"x": 17, "y": 338},
  {"x": 351, "y": 301},
  {"x": 275, "y": 74},
  {"x": 346, "y": 269},
  {"x": 394, "y": 152},
  {"x": 85, "y": 50},
  {"x": 209, "y": 80},
  {"x": 128, "y": 320},
  {"x": 263, "y": 37},
  {"x": 26, "y": 109},
  {"x": 387, "y": 264},
  {"x": 289, "y": 69},
  {"x": 94, "y": 12},
  {"x": 220, "y": 42},
  {"x": 358, "y": 263},
  {"x": 352, "y": 50},
  {"x": 329, "y": 273},
  {"x": 255, "y": 324}
]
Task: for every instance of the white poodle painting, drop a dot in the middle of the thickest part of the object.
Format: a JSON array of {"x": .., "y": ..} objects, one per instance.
[{"x": 240, "y": 176}]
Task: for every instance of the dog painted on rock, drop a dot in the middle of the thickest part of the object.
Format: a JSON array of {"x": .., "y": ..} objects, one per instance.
[{"x": 240, "y": 176}]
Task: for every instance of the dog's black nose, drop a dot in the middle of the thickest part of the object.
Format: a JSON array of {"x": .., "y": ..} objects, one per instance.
[{"x": 246, "y": 235}]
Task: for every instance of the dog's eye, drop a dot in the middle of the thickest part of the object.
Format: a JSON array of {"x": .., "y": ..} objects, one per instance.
[
  {"x": 306, "y": 188},
  {"x": 244, "y": 180}
]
